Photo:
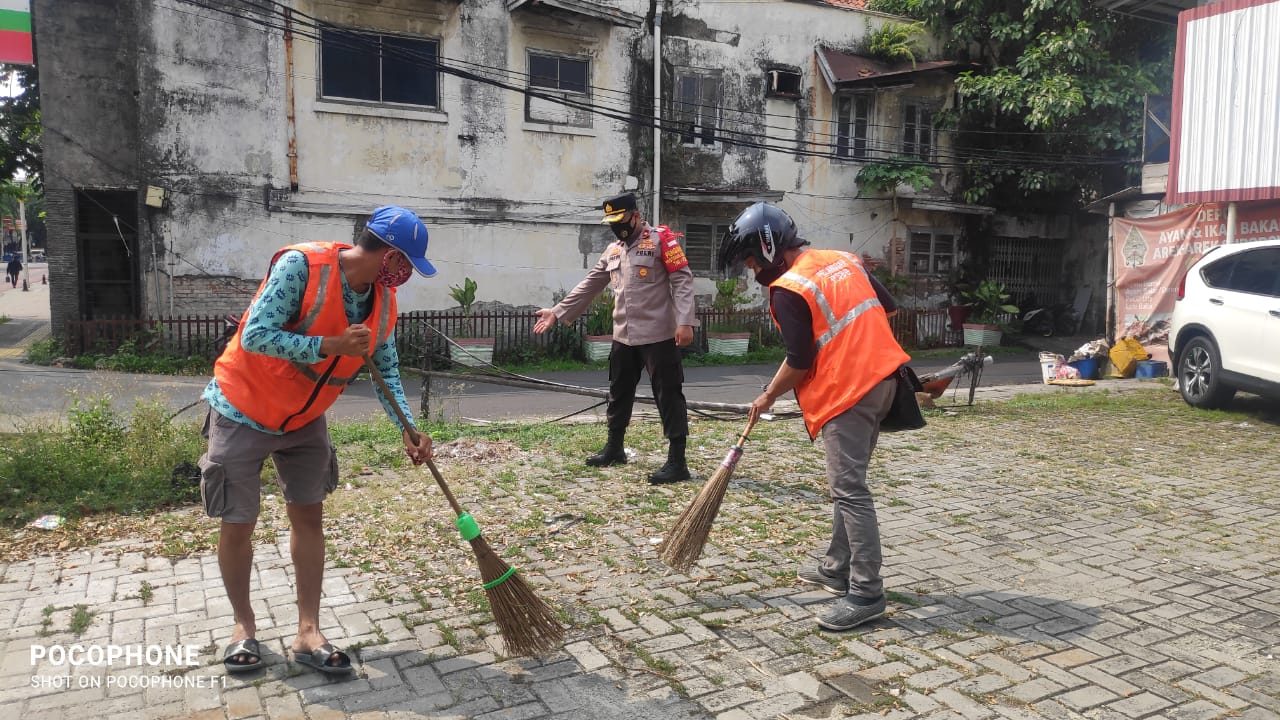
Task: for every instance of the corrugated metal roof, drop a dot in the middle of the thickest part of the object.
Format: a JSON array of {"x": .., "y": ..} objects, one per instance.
[
  {"x": 1226, "y": 104},
  {"x": 1161, "y": 10},
  {"x": 854, "y": 4},
  {"x": 845, "y": 70}
]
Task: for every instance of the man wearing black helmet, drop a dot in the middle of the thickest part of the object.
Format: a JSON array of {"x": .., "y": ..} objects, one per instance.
[{"x": 841, "y": 361}]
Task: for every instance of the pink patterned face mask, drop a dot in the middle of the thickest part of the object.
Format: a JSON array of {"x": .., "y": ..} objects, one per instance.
[{"x": 391, "y": 277}]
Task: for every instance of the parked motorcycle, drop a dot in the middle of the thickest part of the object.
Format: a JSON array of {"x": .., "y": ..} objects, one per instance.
[{"x": 1046, "y": 321}]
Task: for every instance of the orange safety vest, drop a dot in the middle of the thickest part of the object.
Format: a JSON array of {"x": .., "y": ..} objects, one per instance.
[
  {"x": 856, "y": 347},
  {"x": 283, "y": 395}
]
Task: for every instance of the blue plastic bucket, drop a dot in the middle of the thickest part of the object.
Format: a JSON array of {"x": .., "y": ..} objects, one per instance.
[
  {"x": 1088, "y": 368},
  {"x": 1152, "y": 369}
]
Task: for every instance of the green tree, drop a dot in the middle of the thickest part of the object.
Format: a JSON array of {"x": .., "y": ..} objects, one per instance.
[
  {"x": 20, "y": 125},
  {"x": 1054, "y": 111},
  {"x": 11, "y": 192}
]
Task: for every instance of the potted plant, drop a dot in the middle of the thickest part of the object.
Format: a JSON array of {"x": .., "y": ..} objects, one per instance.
[
  {"x": 986, "y": 301},
  {"x": 728, "y": 337},
  {"x": 599, "y": 326},
  {"x": 472, "y": 351},
  {"x": 958, "y": 284}
]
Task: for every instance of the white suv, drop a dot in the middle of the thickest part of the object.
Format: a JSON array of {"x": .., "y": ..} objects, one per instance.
[{"x": 1225, "y": 331}]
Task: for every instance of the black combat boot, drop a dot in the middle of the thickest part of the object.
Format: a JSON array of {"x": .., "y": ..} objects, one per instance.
[
  {"x": 675, "y": 470},
  {"x": 613, "y": 452}
]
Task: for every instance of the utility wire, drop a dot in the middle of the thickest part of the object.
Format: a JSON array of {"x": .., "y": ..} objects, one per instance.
[{"x": 363, "y": 43}]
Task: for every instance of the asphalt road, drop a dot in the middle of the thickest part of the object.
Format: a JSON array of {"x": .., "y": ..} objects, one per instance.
[{"x": 42, "y": 393}]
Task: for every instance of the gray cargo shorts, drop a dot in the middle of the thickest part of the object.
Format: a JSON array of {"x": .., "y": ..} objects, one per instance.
[{"x": 231, "y": 468}]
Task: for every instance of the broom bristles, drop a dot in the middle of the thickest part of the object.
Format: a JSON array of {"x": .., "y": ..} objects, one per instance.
[
  {"x": 683, "y": 544},
  {"x": 528, "y": 625}
]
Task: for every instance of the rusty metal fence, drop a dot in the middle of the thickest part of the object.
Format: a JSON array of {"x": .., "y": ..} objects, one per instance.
[{"x": 421, "y": 333}]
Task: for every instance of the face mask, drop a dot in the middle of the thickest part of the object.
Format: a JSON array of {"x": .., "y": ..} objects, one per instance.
[
  {"x": 765, "y": 276},
  {"x": 622, "y": 230},
  {"x": 394, "y": 278}
]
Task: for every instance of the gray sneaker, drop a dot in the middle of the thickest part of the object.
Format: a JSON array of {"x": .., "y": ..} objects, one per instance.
[
  {"x": 844, "y": 615},
  {"x": 815, "y": 576}
]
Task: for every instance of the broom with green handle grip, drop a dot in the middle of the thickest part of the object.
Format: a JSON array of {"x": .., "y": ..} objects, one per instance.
[{"x": 528, "y": 624}]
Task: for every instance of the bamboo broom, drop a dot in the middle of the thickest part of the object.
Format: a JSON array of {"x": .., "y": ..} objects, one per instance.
[
  {"x": 683, "y": 544},
  {"x": 528, "y": 624}
]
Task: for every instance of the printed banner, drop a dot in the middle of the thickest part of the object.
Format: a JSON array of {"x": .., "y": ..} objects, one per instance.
[
  {"x": 15, "y": 32},
  {"x": 1150, "y": 256}
]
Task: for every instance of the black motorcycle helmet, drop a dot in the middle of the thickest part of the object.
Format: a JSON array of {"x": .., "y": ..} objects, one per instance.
[{"x": 762, "y": 231}]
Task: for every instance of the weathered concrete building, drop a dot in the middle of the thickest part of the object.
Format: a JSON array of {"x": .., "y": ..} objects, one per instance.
[{"x": 185, "y": 144}]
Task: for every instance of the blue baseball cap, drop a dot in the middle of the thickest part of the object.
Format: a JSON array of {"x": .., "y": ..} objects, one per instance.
[{"x": 402, "y": 230}]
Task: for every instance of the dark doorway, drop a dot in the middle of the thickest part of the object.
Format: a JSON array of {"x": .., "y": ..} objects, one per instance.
[{"x": 106, "y": 248}]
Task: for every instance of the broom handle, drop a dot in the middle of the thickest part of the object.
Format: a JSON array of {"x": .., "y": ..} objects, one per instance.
[
  {"x": 742, "y": 439},
  {"x": 413, "y": 434}
]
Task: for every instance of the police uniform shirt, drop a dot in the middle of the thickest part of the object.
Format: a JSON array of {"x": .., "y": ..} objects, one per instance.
[{"x": 650, "y": 301}]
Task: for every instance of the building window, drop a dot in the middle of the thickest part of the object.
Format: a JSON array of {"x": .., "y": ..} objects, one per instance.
[
  {"x": 931, "y": 253},
  {"x": 558, "y": 76},
  {"x": 782, "y": 83},
  {"x": 357, "y": 65},
  {"x": 698, "y": 108},
  {"x": 559, "y": 73},
  {"x": 853, "y": 122},
  {"x": 702, "y": 244},
  {"x": 917, "y": 130}
]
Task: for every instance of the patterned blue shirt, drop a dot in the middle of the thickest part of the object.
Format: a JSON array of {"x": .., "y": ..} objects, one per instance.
[{"x": 264, "y": 333}]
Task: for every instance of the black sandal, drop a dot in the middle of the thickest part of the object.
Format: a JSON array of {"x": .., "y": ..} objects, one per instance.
[
  {"x": 249, "y": 652},
  {"x": 319, "y": 659}
]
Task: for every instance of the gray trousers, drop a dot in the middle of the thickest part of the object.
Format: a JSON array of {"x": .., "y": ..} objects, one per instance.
[{"x": 849, "y": 439}]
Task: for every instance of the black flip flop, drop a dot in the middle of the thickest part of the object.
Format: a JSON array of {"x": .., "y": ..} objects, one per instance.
[
  {"x": 247, "y": 646},
  {"x": 318, "y": 659}
]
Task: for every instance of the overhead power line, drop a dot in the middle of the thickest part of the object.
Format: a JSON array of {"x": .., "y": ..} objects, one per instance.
[{"x": 303, "y": 25}]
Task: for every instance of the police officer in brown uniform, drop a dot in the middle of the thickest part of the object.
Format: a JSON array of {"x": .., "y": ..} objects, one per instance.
[{"x": 653, "y": 314}]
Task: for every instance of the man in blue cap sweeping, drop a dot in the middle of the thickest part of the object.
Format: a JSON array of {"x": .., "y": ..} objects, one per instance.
[{"x": 322, "y": 307}]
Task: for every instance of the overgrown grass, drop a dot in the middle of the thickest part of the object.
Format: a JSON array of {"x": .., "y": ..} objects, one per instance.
[
  {"x": 127, "y": 358},
  {"x": 99, "y": 461}
]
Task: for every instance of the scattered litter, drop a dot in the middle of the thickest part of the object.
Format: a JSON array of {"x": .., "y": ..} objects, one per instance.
[
  {"x": 348, "y": 486},
  {"x": 48, "y": 522},
  {"x": 1092, "y": 349},
  {"x": 271, "y": 498},
  {"x": 630, "y": 453},
  {"x": 655, "y": 540}
]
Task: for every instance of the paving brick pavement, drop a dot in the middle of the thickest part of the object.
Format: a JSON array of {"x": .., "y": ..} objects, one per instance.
[{"x": 1023, "y": 585}]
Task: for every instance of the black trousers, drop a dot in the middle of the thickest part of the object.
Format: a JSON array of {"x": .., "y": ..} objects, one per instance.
[{"x": 666, "y": 375}]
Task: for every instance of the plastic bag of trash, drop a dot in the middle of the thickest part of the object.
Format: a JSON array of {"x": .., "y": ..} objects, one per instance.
[
  {"x": 1066, "y": 372},
  {"x": 1091, "y": 349},
  {"x": 48, "y": 522}
]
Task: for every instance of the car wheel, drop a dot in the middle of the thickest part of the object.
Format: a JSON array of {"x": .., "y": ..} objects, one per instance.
[{"x": 1200, "y": 375}]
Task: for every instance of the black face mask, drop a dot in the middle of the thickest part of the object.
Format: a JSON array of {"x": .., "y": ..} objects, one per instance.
[
  {"x": 623, "y": 231},
  {"x": 766, "y": 276}
]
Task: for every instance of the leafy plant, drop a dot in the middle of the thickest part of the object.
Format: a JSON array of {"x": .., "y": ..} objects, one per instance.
[
  {"x": 894, "y": 41},
  {"x": 988, "y": 301},
  {"x": 465, "y": 296},
  {"x": 887, "y": 175},
  {"x": 897, "y": 285},
  {"x": 730, "y": 298},
  {"x": 894, "y": 7},
  {"x": 99, "y": 461},
  {"x": 599, "y": 315},
  {"x": 1056, "y": 79}
]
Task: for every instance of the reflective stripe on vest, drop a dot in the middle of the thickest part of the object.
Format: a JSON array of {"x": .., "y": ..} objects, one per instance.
[
  {"x": 384, "y": 331},
  {"x": 834, "y": 326},
  {"x": 282, "y": 395},
  {"x": 855, "y": 351}
]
